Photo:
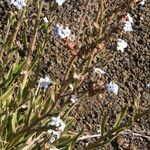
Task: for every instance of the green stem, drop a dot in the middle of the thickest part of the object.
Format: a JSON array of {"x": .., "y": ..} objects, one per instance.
[{"x": 110, "y": 135}]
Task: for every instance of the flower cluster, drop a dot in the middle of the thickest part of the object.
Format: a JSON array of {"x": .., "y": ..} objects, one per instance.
[
  {"x": 112, "y": 88},
  {"x": 19, "y": 4},
  {"x": 73, "y": 98},
  {"x": 60, "y": 125},
  {"x": 121, "y": 45},
  {"x": 44, "y": 82},
  {"x": 62, "y": 32},
  {"x": 128, "y": 26},
  {"x": 54, "y": 135}
]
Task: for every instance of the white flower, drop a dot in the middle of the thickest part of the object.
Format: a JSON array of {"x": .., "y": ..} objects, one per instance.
[
  {"x": 60, "y": 2},
  {"x": 128, "y": 26},
  {"x": 17, "y": 3},
  {"x": 24, "y": 106},
  {"x": 44, "y": 82},
  {"x": 73, "y": 98},
  {"x": 142, "y": 2},
  {"x": 76, "y": 76},
  {"x": 112, "y": 88},
  {"x": 54, "y": 135},
  {"x": 130, "y": 19},
  {"x": 99, "y": 71},
  {"x": 121, "y": 45},
  {"x": 141, "y": 18},
  {"x": 148, "y": 85},
  {"x": 58, "y": 123},
  {"x": 71, "y": 87},
  {"x": 45, "y": 19},
  {"x": 23, "y": 72},
  {"x": 62, "y": 32}
]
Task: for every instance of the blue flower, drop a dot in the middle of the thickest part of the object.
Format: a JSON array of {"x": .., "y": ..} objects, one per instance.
[
  {"x": 112, "y": 88},
  {"x": 62, "y": 32},
  {"x": 58, "y": 123},
  {"x": 17, "y": 3},
  {"x": 128, "y": 26},
  {"x": 44, "y": 82}
]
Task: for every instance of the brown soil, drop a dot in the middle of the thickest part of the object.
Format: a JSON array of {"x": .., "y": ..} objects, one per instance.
[{"x": 130, "y": 70}]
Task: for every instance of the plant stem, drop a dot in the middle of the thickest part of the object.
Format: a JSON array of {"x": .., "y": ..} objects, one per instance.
[
  {"x": 126, "y": 132},
  {"x": 108, "y": 136}
]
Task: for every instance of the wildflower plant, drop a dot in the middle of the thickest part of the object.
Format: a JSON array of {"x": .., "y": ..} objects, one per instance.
[{"x": 30, "y": 110}]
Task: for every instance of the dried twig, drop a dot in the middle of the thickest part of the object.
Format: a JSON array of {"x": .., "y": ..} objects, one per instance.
[{"x": 126, "y": 132}]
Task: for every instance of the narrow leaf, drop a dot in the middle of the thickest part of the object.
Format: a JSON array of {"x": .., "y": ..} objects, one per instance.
[{"x": 120, "y": 117}]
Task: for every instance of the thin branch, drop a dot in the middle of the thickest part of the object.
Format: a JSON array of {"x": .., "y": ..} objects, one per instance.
[
  {"x": 129, "y": 132},
  {"x": 126, "y": 132},
  {"x": 89, "y": 137}
]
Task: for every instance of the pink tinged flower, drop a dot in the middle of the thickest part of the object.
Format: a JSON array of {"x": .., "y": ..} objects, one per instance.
[
  {"x": 62, "y": 32},
  {"x": 60, "y": 2},
  {"x": 121, "y": 45},
  {"x": 73, "y": 98},
  {"x": 44, "y": 82},
  {"x": 112, "y": 88},
  {"x": 128, "y": 26}
]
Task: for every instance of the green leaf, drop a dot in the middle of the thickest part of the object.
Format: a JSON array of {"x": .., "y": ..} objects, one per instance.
[
  {"x": 103, "y": 124},
  {"x": 13, "y": 50},
  {"x": 14, "y": 141},
  {"x": 68, "y": 126},
  {"x": 47, "y": 105},
  {"x": 12, "y": 74},
  {"x": 24, "y": 36},
  {"x": 120, "y": 117},
  {"x": 14, "y": 121},
  {"x": 64, "y": 141},
  {"x": 69, "y": 140},
  {"x": 6, "y": 95},
  {"x": 76, "y": 138}
]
